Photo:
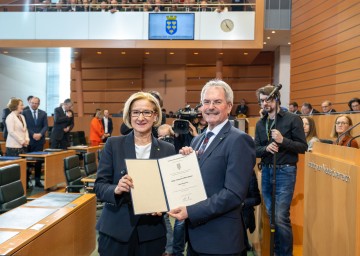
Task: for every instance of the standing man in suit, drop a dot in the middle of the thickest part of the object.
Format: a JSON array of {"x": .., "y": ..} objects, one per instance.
[
  {"x": 226, "y": 158},
  {"x": 107, "y": 124},
  {"x": 37, "y": 124},
  {"x": 63, "y": 124},
  {"x": 6, "y": 111}
]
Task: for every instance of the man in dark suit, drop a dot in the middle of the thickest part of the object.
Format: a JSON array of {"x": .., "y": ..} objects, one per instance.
[
  {"x": 37, "y": 124},
  {"x": 107, "y": 124},
  {"x": 63, "y": 124},
  {"x": 226, "y": 158},
  {"x": 5, "y": 113}
]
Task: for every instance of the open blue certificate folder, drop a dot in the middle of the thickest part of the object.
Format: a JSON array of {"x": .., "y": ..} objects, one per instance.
[{"x": 164, "y": 184}]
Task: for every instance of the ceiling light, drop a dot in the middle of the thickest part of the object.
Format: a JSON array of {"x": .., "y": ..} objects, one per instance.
[
  {"x": 76, "y": 52},
  {"x": 99, "y": 53},
  {"x": 273, "y": 31},
  {"x": 221, "y": 53},
  {"x": 123, "y": 53},
  {"x": 268, "y": 37},
  {"x": 5, "y": 52},
  {"x": 289, "y": 43},
  {"x": 196, "y": 53},
  {"x": 147, "y": 53},
  {"x": 171, "y": 53},
  {"x": 264, "y": 42},
  {"x": 245, "y": 53}
]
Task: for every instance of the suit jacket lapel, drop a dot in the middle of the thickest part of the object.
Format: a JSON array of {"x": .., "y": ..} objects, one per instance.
[
  {"x": 217, "y": 140},
  {"x": 155, "y": 149},
  {"x": 129, "y": 147}
]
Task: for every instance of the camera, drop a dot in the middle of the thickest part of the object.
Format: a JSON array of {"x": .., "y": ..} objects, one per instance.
[
  {"x": 168, "y": 138},
  {"x": 186, "y": 115}
]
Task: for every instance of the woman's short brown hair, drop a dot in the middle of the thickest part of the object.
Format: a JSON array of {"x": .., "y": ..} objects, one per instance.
[{"x": 14, "y": 103}]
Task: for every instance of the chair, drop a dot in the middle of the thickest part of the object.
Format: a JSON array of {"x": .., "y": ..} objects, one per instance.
[
  {"x": 73, "y": 174},
  {"x": 90, "y": 163},
  {"x": 11, "y": 190},
  {"x": 77, "y": 138}
]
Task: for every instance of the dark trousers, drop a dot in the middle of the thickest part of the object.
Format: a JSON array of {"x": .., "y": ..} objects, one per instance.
[
  {"x": 34, "y": 147},
  {"x": 109, "y": 246},
  {"x": 61, "y": 144}
]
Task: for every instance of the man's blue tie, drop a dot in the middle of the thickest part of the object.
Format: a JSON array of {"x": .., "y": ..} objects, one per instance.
[
  {"x": 205, "y": 142},
  {"x": 35, "y": 120}
]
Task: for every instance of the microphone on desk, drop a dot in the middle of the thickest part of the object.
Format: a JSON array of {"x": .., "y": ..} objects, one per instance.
[
  {"x": 346, "y": 131},
  {"x": 349, "y": 143},
  {"x": 275, "y": 91}
]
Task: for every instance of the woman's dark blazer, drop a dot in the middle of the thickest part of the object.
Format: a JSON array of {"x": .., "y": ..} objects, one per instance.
[{"x": 117, "y": 219}]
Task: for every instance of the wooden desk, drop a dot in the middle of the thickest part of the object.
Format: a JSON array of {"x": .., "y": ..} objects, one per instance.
[
  {"x": 53, "y": 166},
  {"x": 87, "y": 149},
  {"x": 3, "y": 146},
  {"x": 66, "y": 226},
  {"x": 22, "y": 163}
]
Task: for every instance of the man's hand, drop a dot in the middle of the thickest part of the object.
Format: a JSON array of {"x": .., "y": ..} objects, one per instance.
[
  {"x": 69, "y": 114},
  {"x": 67, "y": 129},
  {"x": 37, "y": 136},
  {"x": 192, "y": 129},
  {"x": 277, "y": 136},
  {"x": 124, "y": 185},
  {"x": 179, "y": 213},
  {"x": 186, "y": 150},
  {"x": 272, "y": 148}
]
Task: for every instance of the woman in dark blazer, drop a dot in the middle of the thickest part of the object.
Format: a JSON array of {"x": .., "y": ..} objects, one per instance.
[{"x": 120, "y": 231}]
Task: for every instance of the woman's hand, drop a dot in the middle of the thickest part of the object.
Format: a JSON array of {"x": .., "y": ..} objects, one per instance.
[{"x": 124, "y": 185}]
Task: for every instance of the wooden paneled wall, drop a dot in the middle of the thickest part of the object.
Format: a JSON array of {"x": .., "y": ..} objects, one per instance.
[
  {"x": 244, "y": 80},
  {"x": 106, "y": 86},
  {"x": 325, "y": 52}
]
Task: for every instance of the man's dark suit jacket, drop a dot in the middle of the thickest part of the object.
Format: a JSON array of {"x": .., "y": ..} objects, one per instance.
[
  {"x": 5, "y": 113},
  {"x": 215, "y": 225},
  {"x": 41, "y": 126},
  {"x": 110, "y": 125},
  {"x": 117, "y": 219},
  {"x": 61, "y": 121}
]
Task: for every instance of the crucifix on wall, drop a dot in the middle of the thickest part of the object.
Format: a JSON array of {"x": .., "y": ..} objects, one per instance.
[{"x": 165, "y": 81}]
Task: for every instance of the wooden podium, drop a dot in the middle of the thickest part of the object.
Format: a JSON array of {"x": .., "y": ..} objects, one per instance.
[{"x": 332, "y": 201}]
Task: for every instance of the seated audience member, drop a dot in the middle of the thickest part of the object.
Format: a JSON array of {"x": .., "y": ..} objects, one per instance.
[
  {"x": 114, "y": 7},
  {"x": 146, "y": 7},
  {"x": 307, "y": 109},
  {"x": 134, "y": 7},
  {"x": 221, "y": 7},
  {"x": 123, "y": 6},
  {"x": 86, "y": 6},
  {"x": 74, "y": 7},
  {"x": 327, "y": 107},
  {"x": 242, "y": 109},
  {"x": 294, "y": 108},
  {"x": 45, "y": 8},
  {"x": 354, "y": 105},
  {"x": 59, "y": 7},
  {"x": 237, "y": 8},
  {"x": 204, "y": 7},
  {"x": 252, "y": 199},
  {"x": 310, "y": 131},
  {"x": 342, "y": 123},
  {"x": 158, "y": 6},
  {"x": 103, "y": 6}
]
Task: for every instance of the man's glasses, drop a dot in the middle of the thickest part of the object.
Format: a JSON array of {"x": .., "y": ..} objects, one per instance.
[
  {"x": 262, "y": 101},
  {"x": 341, "y": 123},
  {"x": 145, "y": 113}
]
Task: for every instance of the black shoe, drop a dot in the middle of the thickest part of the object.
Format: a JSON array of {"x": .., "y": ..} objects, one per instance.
[{"x": 39, "y": 184}]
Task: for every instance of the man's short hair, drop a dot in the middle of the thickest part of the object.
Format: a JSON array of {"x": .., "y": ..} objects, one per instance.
[
  {"x": 266, "y": 90},
  {"x": 307, "y": 105},
  {"x": 29, "y": 97},
  {"x": 229, "y": 94},
  {"x": 67, "y": 101},
  {"x": 294, "y": 104}
]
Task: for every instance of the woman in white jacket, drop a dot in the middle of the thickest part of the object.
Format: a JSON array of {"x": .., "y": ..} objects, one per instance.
[{"x": 18, "y": 136}]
